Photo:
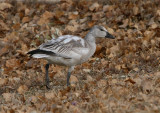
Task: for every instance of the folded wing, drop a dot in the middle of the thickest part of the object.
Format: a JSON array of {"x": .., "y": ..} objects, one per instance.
[{"x": 66, "y": 46}]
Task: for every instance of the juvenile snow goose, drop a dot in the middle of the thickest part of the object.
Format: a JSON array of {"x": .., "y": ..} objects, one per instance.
[{"x": 69, "y": 50}]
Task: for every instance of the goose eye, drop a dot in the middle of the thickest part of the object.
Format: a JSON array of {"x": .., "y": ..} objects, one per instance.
[{"x": 101, "y": 29}]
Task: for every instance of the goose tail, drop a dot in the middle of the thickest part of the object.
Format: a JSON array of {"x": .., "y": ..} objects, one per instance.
[{"x": 38, "y": 53}]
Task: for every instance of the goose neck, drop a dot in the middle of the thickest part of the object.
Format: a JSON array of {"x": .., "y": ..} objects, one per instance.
[{"x": 90, "y": 38}]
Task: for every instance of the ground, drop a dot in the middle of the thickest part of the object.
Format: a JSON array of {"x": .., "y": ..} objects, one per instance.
[{"x": 122, "y": 76}]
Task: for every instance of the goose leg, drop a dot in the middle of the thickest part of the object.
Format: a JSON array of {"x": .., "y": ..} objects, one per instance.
[
  {"x": 47, "y": 77},
  {"x": 69, "y": 74},
  {"x": 68, "y": 77}
]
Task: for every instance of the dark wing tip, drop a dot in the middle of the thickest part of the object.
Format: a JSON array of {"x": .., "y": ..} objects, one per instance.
[
  {"x": 39, "y": 51},
  {"x": 33, "y": 52}
]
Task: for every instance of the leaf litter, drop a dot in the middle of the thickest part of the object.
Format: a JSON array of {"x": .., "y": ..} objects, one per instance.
[{"x": 122, "y": 76}]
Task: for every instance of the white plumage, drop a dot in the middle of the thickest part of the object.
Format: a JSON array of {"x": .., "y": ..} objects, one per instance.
[
  {"x": 69, "y": 50},
  {"x": 68, "y": 47}
]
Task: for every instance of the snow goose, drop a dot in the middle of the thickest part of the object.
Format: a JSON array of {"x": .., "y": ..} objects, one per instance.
[{"x": 69, "y": 50}]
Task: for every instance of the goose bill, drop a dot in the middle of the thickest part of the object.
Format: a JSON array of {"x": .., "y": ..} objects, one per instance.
[{"x": 109, "y": 36}]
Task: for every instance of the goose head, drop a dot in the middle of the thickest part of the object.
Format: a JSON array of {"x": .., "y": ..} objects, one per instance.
[{"x": 100, "y": 31}]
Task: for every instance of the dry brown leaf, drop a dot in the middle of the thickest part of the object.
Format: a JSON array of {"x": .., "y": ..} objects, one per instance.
[
  {"x": 74, "y": 109},
  {"x": 56, "y": 31},
  {"x": 114, "y": 81},
  {"x": 25, "y": 19},
  {"x": 3, "y": 81},
  {"x": 71, "y": 28},
  {"x": 45, "y": 18},
  {"x": 4, "y": 50},
  {"x": 91, "y": 24},
  {"x": 12, "y": 63},
  {"x": 136, "y": 69},
  {"x": 108, "y": 8},
  {"x": 113, "y": 51},
  {"x": 94, "y": 6},
  {"x": 102, "y": 83},
  {"x": 99, "y": 93},
  {"x": 22, "y": 89},
  {"x": 83, "y": 20},
  {"x": 50, "y": 95},
  {"x": 47, "y": 15},
  {"x": 145, "y": 43},
  {"x": 149, "y": 33},
  {"x": 16, "y": 79},
  {"x": 27, "y": 11},
  {"x": 153, "y": 42},
  {"x": 57, "y": 71},
  {"x": 87, "y": 65},
  {"x": 4, "y": 26},
  {"x": 12, "y": 37},
  {"x": 97, "y": 16},
  {"x": 111, "y": 55},
  {"x": 154, "y": 26},
  {"x": 5, "y": 6},
  {"x": 138, "y": 81},
  {"x": 125, "y": 23},
  {"x": 157, "y": 73},
  {"x": 16, "y": 26},
  {"x": 89, "y": 78},
  {"x": 73, "y": 79},
  {"x": 19, "y": 72},
  {"x": 73, "y": 16},
  {"x": 130, "y": 80},
  {"x": 118, "y": 67},
  {"x": 24, "y": 47},
  {"x": 158, "y": 12},
  {"x": 87, "y": 70},
  {"x": 8, "y": 96},
  {"x": 104, "y": 62},
  {"x": 34, "y": 99},
  {"x": 147, "y": 86},
  {"x": 42, "y": 21},
  {"x": 135, "y": 10},
  {"x": 30, "y": 63},
  {"x": 58, "y": 14},
  {"x": 110, "y": 30},
  {"x": 98, "y": 49}
]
